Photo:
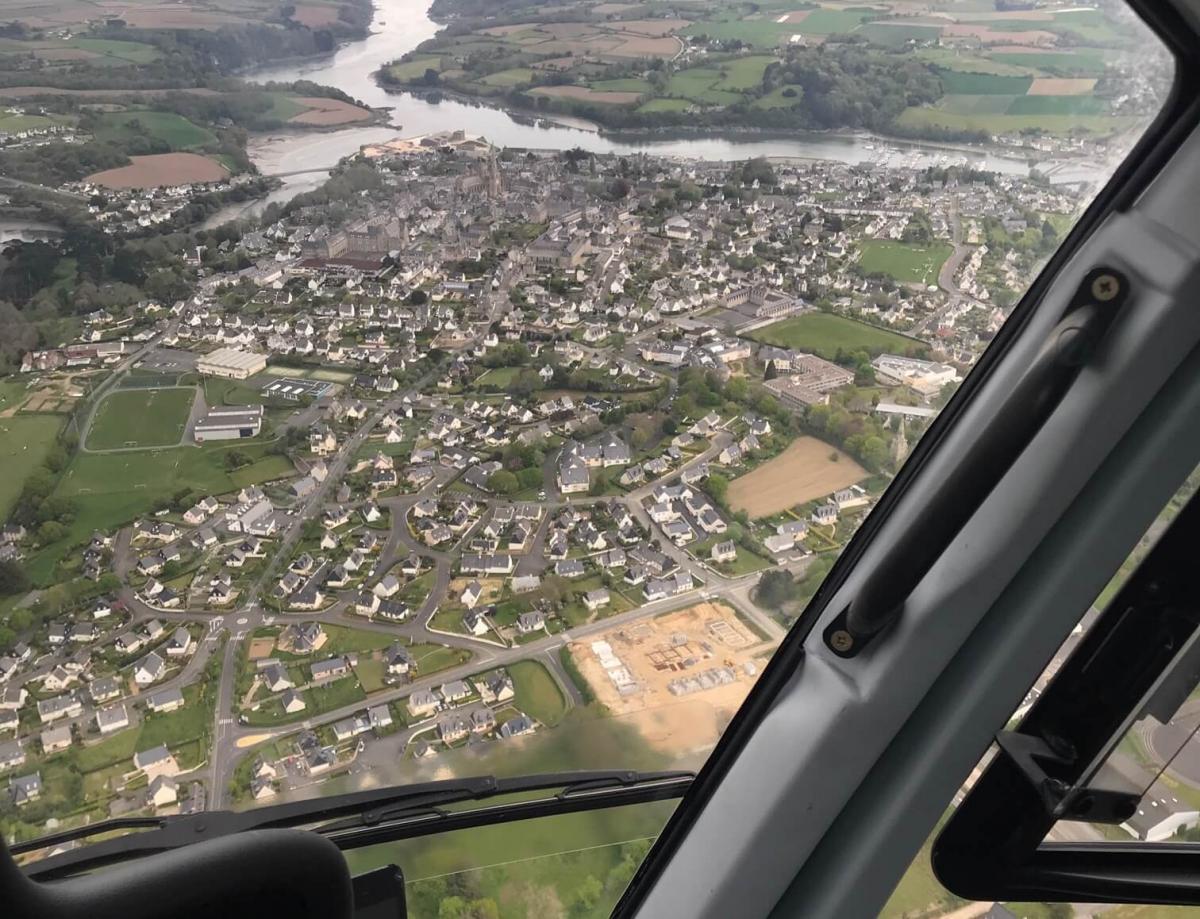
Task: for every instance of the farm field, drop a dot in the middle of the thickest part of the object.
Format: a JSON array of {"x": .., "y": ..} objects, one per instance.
[
  {"x": 827, "y": 333},
  {"x": 803, "y": 472},
  {"x": 908, "y": 264},
  {"x": 161, "y": 169},
  {"x": 992, "y": 65},
  {"x": 25, "y": 440},
  {"x": 140, "y": 418},
  {"x": 174, "y": 130},
  {"x": 322, "y": 112}
]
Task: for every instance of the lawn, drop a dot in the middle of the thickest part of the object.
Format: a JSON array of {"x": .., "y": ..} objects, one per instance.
[
  {"x": 745, "y": 563},
  {"x": 331, "y": 696},
  {"x": 180, "y": 726},
  {"x": 343, "y": 640},
  {"x": 902, "y": 261},
  {"x": 369, "y": 671},
  {"x": 827, "y": 333},
  {"x": 24, "y": 442},
  {"x": 140, "y": 418},
  {"x": 232, "y": 392},
  {"x": 537, "y": 693},
  {"x": 174, "y": 130},
  {"x": 435, "y": 658},
  {"x": 500, "y": 377}
]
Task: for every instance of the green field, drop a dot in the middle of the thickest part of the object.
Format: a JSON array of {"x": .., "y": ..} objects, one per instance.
[
  {"x": 1011, "y": 124},
  {"x": 827, "y": 333},
  {"x": 983, "y": 84},
  {"x": 830, "y": 22},
  {"x": 508, "y": 78},
  {"x": 10, "y": 123},
  {"x": 24, "y": 442},
  {"x": 537, "y": 693},
  {"x": 110, "y": 489},
  {"x": 699, "y": 84},
  {"x": 282, "y": 106},
  {"x": 975, "y": 105},
  {"x": 759, "y": 33},
  {"x": 1078, "y": 63},
  {"x": 968, "y": 62},
  {"x": 896, "y": 36},
  {"x": 624, "y": 85},
  {"x": 414, "y": 69},
  {"x": 1057, "y": 105},
  {"x": 744, "y": 72},
  {"x": 665, "y": 105},
  {"x": 140, "y": 418},
  {"x": 906, "y": 263},
  {"x": 133, "y": 52},
  {"x": 173, "y": 130},
  {"x": 776, "y": 98}
]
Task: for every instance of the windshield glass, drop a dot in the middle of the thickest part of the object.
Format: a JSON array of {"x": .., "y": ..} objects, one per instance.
[{"x": 393, "y": 404}]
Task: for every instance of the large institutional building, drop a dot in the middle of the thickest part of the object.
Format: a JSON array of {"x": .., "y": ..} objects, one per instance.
[{"x": 231, "y": 363}]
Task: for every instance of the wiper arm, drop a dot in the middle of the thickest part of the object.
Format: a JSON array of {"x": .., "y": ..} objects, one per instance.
[{"x": 378, "y": 815}]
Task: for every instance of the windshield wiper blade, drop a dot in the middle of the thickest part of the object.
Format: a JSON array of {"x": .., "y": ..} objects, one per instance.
[{"x": 370, "y": 816}]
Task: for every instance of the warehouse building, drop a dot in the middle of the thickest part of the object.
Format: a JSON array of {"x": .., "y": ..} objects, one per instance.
[
  {"x": 225, "y": 422},
  {"x": 231, "y": 363}
]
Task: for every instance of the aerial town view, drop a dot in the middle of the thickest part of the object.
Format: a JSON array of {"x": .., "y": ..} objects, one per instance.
[{"x": 381, "y": 404}]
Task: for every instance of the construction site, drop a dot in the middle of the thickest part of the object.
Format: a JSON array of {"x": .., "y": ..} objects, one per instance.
[{"x": 679, "y": 676}]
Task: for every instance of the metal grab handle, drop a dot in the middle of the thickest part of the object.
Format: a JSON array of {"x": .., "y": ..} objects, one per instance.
[{"x": 1069, "y": 346}]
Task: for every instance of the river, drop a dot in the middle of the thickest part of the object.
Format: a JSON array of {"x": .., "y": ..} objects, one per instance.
[{"x": 401, "y": 25}]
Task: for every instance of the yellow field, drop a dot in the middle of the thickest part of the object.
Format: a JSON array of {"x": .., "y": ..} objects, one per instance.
[{"x": 802, "y": 472}]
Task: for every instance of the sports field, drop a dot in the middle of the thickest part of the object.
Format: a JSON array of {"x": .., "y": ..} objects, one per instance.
[
  {"x": 24, "y": 442},
  {"x": 141, "y": 418},
  {"x": 803, "y": 472},
  {"x": 827, "y": 333},
  {"x": 906, "y": 263}
]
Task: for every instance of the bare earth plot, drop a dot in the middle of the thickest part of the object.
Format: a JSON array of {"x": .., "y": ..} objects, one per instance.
[
  {"x": 162, "y": 169},
  {"x": 1061, "y": 86},
  {"x": 328, "y": 112},
  {"x": 803, "y": 472}
]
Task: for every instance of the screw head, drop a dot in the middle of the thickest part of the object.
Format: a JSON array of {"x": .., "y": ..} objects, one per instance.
[
  {"x": 1105, "y": 287},
  {"x": 841, "y": 641}
]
